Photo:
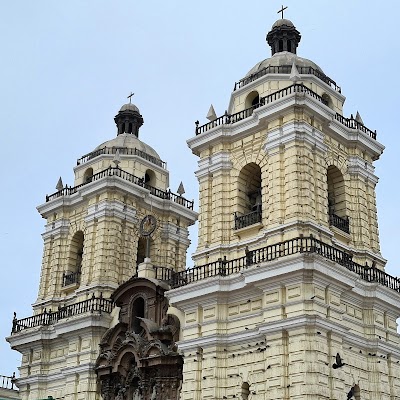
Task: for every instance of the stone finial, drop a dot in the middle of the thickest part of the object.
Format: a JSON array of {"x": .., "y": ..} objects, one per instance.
[
  {"x": 359, "y": 119},
  {"x": 60, "y": 185},
  {"x": 294, "y": 73},
  {"x": 211, "y": 116},
  {"x": 181, "y": 189},
  {"x": 117, "y": 158}
]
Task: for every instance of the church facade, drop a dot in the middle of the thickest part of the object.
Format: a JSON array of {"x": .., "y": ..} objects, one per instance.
[{"x": 288, "y": 297}]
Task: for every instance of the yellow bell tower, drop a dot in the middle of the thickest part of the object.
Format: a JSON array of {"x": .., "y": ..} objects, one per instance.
[
  {"x": 119, "y": 220},
  {"x": 288, "y": 298},
  {"x": 284, "y": 162}
]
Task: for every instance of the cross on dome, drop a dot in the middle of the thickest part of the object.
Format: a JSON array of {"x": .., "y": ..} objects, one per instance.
[
  {"x": 130, "y": 97},
  {"x": 282, "y": 10}
]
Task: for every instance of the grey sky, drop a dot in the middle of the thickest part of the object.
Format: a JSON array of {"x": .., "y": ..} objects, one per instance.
[{"x": 67, "y": 67}]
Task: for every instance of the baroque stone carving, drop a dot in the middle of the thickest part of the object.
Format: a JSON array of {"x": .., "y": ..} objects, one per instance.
[{"x": 138, "y": 357}]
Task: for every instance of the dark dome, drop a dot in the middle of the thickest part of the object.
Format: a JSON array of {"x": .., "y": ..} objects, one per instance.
[
  {"x": 281, "y": 22},
  {"x": 130, "y": 107}
]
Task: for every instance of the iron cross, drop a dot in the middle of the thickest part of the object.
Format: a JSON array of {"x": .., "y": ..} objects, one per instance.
[
  {"x": 130, "y": 97},
  {"x": 282, "y": 10}
]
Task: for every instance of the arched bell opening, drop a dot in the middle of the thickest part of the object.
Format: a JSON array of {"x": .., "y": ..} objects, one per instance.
[
  {"x": 336, "y": 199},
  {"x": 75, "y": 258},
  {"x": 249, "y": 198},
  {"x": 88, "y": 175}
]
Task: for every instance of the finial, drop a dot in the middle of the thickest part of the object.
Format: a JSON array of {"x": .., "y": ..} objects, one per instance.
[
  {"x": 294, "y": 73},
  {"x": 358, "y": 118},
  {"x": 181, "y": 189},
  {"x": 117, "y": 158},
  {"x": 60, "y": 185},
  {"x": 211, "y": 116},
  {"x": 130, "y": 97},
  {"x": 282, "y": 10}
]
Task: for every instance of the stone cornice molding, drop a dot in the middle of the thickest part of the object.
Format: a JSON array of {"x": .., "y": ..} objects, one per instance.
[
  {"x": 359, "y": 167},
  {"x": 57, "y": 228},
  {"x": 176, "y": 233},
  {"x": 111, "y": 208},
  {"x": 110, "y": 183},
  {"x": 292, "y": 132},
  {"x": 287, "y": 269},
  {"x": 83, "y": 322},
  {"x": 216, "y": 162},
  {"x": 352, "y": 136}
]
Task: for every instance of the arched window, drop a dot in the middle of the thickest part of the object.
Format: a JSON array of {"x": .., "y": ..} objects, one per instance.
[
  {"x": 130, "y": 127},
  {"x": 252, "y": 99},
  {"x": 87, "y": 176},
  {"x": 337, "y": 210},
  {"x": 289, "y": 46},
  {"x": 75, "y": 257},
  {"x": 137, "y": 310},
  {"x": 281, "y": 45},
  {"x": 326, "y": 99},
  {"x": 249, "y": 207},
  {"x": 150, "y": 178},
  {"x": 245, "y": 391}
]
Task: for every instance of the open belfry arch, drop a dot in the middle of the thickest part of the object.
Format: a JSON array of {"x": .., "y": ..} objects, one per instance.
[{"x": 288, "y": 298}]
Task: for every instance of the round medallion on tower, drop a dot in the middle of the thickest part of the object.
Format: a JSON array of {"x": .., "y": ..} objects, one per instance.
[
  {"x": 283, "y": 37},
  {"x": 129, "y": 120}
]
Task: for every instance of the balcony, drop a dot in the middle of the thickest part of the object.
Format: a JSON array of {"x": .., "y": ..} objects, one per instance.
[
  {"x": 228, "y": 119},
  {"x": 122, "y": 151},
  {"x": 8, "y": 382},
  {"x": 71, "y": 278},
  {"x": 94, "y": 304},
  {"x": 116, "y": 171},
  {"x": 299, "y": 245},
  {"x": 242, "y": 221},
  {"x": 287, "y": 69},
  {"x": 338, "y": 222}
]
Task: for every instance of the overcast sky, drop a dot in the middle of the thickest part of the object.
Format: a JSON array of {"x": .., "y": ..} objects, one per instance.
[{"x": 67, "y": 67}]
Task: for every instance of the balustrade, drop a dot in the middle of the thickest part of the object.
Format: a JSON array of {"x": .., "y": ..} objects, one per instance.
[
  {"x": 123, "y": 151},
  {"x": 94, "y": 304},
  {"x": 341, "y": 223},
  {"x": 241, "y": 221},
  {"x": 227, "y": 119},
  {"x": 224, "y": 267},
  {"x": 287, "y": 69},
  {"x": 7, "y": 382},
  {"x": 116, "y": 171}
]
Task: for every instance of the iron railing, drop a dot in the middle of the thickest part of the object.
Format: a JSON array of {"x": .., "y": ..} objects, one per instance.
[
  {"x": 341, "y": 223},
  {"x": 71, "y": 278},
  {"x": 251, "y": 218},
  {"x": 7, "y": 382},
  {"x": 224, "y": 267},
  {"x": 116, "y": 171},
  {"x": 163, "y": 273},
  {"x": 353, "y": 124},
  {"x": 287, "y": 69},
  {"x": 227, "y": 119},
  {"x": 94, "y": 304},
  {"x": 122, "y": 151}
]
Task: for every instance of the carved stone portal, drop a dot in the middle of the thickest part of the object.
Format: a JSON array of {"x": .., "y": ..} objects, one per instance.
[{"x": 138, "y": 357}]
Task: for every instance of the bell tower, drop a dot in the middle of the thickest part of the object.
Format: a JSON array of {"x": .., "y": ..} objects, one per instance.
[
  {"x": 284, "y": 162},
  {"x": 288, "y": 298},
  {"x": 118, "y": 221}
]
